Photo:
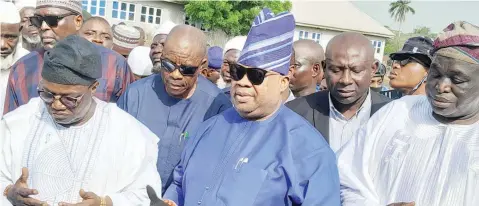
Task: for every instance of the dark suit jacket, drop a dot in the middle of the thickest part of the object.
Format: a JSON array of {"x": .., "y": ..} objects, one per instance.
[{"x": 315, "y": 109}]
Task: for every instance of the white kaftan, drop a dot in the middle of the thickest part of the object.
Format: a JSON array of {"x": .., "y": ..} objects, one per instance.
[
  {"x": 406, "y": 155},
  {"x": 111, "y": 155}
]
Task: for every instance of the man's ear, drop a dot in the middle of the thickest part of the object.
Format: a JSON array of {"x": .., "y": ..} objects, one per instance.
[
  {"x": 204, "y": 72},
  {"x": 78, "y": 21},
  {"x": 374, "y": 68},
  {"x": 94, "y": 86},
  {"x": 284, "y": 83},
  {"x": 317, "y": 69}
]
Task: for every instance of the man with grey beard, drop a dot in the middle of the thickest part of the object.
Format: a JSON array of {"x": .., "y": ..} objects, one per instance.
[
  {"x": 11, "y": 51},
  {"x": 30, "y": 34}
]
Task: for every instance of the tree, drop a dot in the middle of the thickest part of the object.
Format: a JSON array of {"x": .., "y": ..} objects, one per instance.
[
  {"x": 424, "y": 31},
  {"x": 233, "y": 17},
  {"x": 398, "y": 10}
]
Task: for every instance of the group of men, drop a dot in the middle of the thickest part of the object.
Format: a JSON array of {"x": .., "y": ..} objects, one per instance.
[{"x": 247, "y": 124}]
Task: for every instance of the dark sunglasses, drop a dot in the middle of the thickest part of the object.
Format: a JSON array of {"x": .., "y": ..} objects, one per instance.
[
  {"x": 52, "y": 21},
  {"x": 255, "y": 75},
  {"x": 184, "y": 70},
  {"x": 405, "y": 61},
  {"x": 69, "y": 102}
]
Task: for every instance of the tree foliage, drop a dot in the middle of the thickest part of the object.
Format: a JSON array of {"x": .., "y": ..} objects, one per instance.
[
  {"x": 399, "y": 9},
  {"x": 233, "y": 17}
]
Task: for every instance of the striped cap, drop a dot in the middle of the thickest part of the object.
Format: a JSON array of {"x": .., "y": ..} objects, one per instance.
[
  {"x": 459, "y": 40},
  {"x": 125, "y": 38},
  {"x": 269, "y": 44}
]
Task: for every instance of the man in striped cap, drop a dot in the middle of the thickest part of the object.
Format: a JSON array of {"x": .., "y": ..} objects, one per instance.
[
  {"x": 125, "y": 39},
  {"x": 56, "y": 20},
  {"x": 423, "y": 148},
  {"x": 261, "y": 152}
]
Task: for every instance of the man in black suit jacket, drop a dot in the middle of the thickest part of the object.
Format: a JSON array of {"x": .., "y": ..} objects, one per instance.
[{"x": 349, "y": 67}]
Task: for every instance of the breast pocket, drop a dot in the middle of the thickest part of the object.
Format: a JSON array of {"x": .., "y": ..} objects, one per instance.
[{"x": 241, "y": 187}]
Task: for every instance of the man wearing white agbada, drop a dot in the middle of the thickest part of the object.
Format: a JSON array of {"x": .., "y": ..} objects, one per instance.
[
  {"x": 68, "y": 147},
  {"x": 11, "y": 49},
  {"x": 423, "y": 150}
]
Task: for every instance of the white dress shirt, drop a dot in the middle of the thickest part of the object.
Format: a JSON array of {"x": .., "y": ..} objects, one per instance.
[{"x": 341, "y": 129}]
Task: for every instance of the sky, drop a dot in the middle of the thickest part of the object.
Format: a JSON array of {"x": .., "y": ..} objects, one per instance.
[{"x": 433, "y": 14}]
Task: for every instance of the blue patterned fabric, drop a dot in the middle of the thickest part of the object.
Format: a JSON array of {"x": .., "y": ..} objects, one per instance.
[
  {"x": 215, "y": 57},
  {"x": 270, "y": 42}
]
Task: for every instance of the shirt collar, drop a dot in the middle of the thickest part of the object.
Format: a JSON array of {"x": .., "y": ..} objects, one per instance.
[{"x": 366, "y": 104}]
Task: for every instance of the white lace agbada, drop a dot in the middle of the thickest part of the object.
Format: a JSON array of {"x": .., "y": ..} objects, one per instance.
[{"x": 405, "y": 155}]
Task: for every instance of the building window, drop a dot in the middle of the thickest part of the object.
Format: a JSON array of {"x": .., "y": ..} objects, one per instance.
[
  {"x": 123, "y": 11},
  {"x": 314, "y": 36},
  {"x": 94, "y": 7},
  {"x": 377, "y": 46},
  {"x": 150, "y": 15}
]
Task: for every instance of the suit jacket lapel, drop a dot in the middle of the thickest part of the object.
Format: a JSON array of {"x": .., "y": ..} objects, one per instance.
[{"x": 321, "y": 114}]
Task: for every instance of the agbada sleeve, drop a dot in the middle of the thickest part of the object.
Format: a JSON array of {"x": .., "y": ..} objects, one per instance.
[{"x": 5, "y": 161}]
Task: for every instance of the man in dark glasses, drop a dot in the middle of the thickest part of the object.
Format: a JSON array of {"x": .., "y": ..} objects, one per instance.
[
  {"x": 348, "y": 104},
  {"x": 176, "y": 101},
  {"x": 410, "y": 66},
  {"x": 259, "y": 152},
  {"x": 57, "y": 20},
  {"x": 84, "y": 139}
]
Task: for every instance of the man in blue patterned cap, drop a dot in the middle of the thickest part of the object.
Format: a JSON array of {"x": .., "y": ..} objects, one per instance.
[
  {"x": 259, "y": 152},
  {"x": 215, "y": 60}
]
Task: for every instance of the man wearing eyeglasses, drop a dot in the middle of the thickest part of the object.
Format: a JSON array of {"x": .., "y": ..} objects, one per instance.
[
  {"x": 259, "y": 152},
  {"x": 31, "y": 39},
  {"x": 11, "y": 48},
  {"x": 410, "y": 66},
  {"x": 68, "y": 147},
  {"x": 57, "y": 20},
  {"x": 174, "y": 102}
]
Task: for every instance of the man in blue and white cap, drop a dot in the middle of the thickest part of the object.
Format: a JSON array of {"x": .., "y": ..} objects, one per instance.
[
  {"x": 261, "y": 152},
  {"x": 215, "y": 60}
]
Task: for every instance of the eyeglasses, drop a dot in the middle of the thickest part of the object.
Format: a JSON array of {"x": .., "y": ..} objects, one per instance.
[
  {"x": 255, "y": 75},
  {"x": 52, "y": 21},
  {"x": 184, "y": 70},
  {"x": 69, "y": 102}
]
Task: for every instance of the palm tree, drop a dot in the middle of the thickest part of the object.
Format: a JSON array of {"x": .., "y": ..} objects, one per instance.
[{"x": 398, "y": 10}]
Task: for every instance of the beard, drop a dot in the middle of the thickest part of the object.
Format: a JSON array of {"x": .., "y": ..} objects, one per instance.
[
  {"x": 7, "y": 61},
  {"x": 156, "y": 69},
  {"x": 32, "y": 40}
]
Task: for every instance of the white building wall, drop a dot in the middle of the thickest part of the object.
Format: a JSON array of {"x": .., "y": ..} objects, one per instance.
[{"x": 327, "y": 35}]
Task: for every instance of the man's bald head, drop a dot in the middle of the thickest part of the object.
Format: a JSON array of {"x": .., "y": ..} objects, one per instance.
[
  {"x": 185, "y": 37},
  {"x": 344, "y": 42},
  {"x": 307, "y": 71},
  {"x": 310, "y": 50},
  {"x": 185, "y": 47}
]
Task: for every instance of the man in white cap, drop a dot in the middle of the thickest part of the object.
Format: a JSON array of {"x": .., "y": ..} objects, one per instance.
[
  {"x": 11, "y": 49},
  {"x": 125, "y": 38},
  {"x": 231, "y": 53},
  {"x": 139, "y": 62},
  {"x": 159, "y": 38}
]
